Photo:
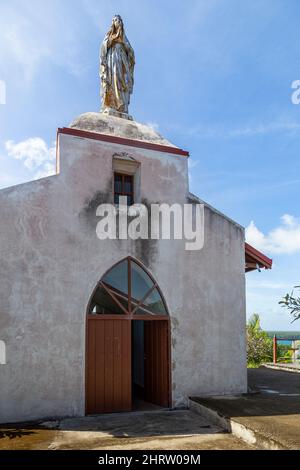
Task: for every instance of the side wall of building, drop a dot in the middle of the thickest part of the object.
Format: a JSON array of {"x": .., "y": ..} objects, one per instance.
[{"x": 209, "y": 338}]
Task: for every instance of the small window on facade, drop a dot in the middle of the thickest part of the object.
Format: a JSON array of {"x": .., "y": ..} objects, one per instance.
[{"x": 124, "y": 186}]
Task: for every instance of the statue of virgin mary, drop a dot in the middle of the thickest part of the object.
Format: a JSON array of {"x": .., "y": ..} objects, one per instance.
[{"x": 116, "y": 70}]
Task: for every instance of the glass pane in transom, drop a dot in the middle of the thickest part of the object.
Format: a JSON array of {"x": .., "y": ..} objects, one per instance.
[
  {"x": 117, "y": 278},
  {"x": 104, "y": 304},
  {"x": 128, "y": 184},
  {"x": 118, "y": 184},
  {"x": 141, "y": 283},
  {"x": 154, "y": 303}
]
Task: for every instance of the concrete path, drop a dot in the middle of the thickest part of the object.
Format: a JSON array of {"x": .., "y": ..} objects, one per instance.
[
  {"x": 289, "y": 367},
  {"x": 269, "y": 417},
  {"x": 176, "y": 430}
]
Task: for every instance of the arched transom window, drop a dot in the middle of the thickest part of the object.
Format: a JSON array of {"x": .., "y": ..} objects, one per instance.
[{"x": 128, "y": 289}]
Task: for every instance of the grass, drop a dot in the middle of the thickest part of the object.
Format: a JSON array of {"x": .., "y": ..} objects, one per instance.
[{"x": 253, "y": 365}]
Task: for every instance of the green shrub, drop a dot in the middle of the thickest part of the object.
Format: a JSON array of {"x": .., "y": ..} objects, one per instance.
[{"x": 259, "y": 345}]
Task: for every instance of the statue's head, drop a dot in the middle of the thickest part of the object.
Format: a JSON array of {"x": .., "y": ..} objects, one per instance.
[
  {"x": 117, "y": 21},
  {"x": 117, "y": 25},
  {"x": 117, "y": 28}
]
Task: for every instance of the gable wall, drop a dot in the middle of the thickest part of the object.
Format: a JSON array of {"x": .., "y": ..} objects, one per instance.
[{"x": 51, "y": 260}]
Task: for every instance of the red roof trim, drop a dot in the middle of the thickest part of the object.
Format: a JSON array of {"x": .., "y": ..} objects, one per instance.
[
  {"x": 123, "y": 141},
  {"x": 258, "y": 256}
]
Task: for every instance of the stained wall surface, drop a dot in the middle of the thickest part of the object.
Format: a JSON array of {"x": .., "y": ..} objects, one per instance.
[{"x": 51, "y": 261}]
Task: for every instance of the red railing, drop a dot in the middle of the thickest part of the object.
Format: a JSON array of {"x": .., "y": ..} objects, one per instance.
[{"x": 275, "y": 350}]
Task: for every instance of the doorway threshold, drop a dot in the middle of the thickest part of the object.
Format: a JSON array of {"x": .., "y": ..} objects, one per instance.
[{"x": 142, "y": 405}]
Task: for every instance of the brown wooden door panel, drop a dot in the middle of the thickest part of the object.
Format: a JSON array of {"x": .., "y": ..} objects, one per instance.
[
  {"x": 157, "y": 363},
  {"x": 91, "y": 367},
  {"x": 108, "y": 366},
  {"x": 98, "y": 365}
]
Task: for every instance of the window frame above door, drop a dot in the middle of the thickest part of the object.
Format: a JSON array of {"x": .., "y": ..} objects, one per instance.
[{"x": 134, "y": 305}]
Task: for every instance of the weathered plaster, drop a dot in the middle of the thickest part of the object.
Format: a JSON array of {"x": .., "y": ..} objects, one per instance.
[
  {"x": 105, "y": 124},
  {"x": 51, "y": 260}
]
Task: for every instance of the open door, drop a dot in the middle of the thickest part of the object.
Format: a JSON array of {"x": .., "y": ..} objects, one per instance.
[
  {"x": 157, "y": 362},
  {"x": 108, "y": 366},
  {"x": 127, "y": 293}
]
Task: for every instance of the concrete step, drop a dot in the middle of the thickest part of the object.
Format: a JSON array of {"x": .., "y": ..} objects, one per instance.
[{"x": 242, "y": 427}]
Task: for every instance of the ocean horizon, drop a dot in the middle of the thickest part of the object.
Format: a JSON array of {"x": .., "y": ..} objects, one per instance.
[{"x": 285, "y": 336}]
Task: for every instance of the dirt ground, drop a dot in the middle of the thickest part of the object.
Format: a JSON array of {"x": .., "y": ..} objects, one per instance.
[
  {"x": 272, "y": 409},
  {"x": 176, "y": 430}
]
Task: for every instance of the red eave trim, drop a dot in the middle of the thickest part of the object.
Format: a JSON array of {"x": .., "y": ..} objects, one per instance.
[
  {"x": 123, "y": 141},
  {"x": 259, "y": 256}
]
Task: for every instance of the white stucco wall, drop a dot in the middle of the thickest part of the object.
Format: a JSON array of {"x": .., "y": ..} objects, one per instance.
[{"x": 51, "y": 260}]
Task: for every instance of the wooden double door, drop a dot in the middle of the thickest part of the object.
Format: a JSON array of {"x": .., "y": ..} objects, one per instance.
[{"x": 109, "y": 364}]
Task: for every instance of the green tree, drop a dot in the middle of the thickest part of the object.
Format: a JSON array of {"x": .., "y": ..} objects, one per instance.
[
  {"x": 254, "y": 323},
  {"x": 259, "y": 345},
  {"x": 292, "y": 303}
]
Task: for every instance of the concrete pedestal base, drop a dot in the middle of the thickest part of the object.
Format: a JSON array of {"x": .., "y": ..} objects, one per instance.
[{"x": 113, "y": 112}]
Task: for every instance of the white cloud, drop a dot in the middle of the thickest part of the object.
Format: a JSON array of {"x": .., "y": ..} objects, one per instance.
[
  {"x": 23, "y": 49},
  {"x": 193, "y": 163},
  {"x": 281, "y": 286},
  {"x": 247, "y": 131},
  {"x": 32, "y": 36},
  {"x": 34, "y": 154},
  {"x": 262, "y": 129},
  {"x": 48, "y": 169},
  {"x": 284, "y": 239},
  {"x": 7, "y": 180}
]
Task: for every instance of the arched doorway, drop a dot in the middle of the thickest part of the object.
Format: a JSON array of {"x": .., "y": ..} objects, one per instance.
[{"x": 128, "y": 342}]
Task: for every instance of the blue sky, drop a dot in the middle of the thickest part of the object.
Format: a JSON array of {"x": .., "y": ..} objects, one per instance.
[{"x": 215, "y": 77}]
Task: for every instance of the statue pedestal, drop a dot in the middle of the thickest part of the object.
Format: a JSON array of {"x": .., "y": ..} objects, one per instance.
[{"x": 113, "y": 112}]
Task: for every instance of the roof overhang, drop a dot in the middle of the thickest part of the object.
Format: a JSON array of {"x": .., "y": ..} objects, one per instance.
[
  {"x": 122, "y": 141},
  {"x": 255, "y": 259}
]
